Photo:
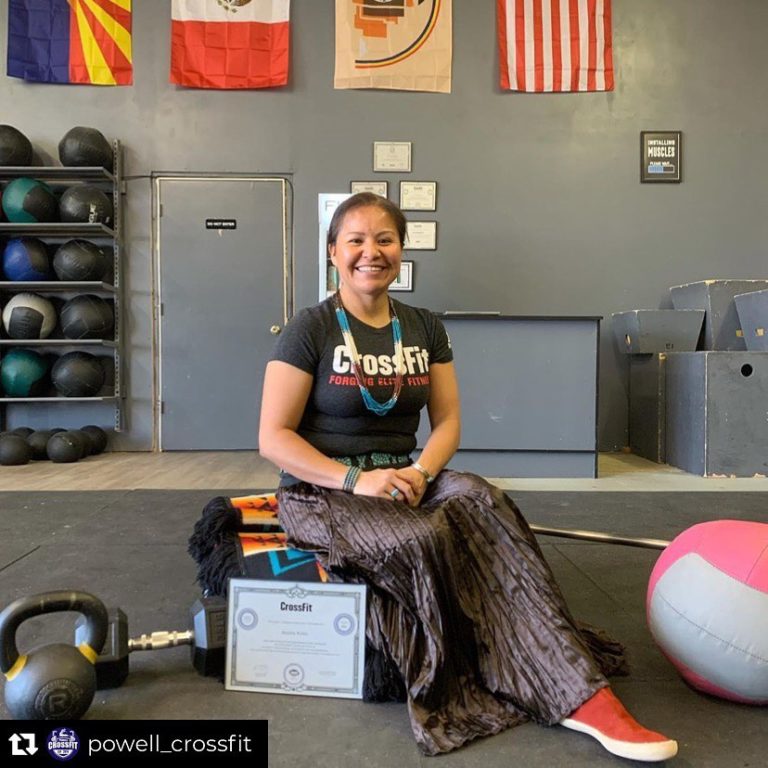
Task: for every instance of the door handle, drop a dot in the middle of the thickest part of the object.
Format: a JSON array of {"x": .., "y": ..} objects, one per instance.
[{"x": 275, "y": 329}]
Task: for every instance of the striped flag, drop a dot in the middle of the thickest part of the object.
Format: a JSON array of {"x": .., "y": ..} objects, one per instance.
[
  {"x": 70, "y": 41},
  {"x": 230, "y": 43},
  {"x": 555, "y": 45}
]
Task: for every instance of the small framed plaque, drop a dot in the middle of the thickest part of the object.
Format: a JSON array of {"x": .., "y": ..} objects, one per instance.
[
  {"x": 377, "y": 187},
  {"x": 418, "y": 195},
  {"x": 421, "y": 236},
  {"x": 660, "y": 156},
  {"x": 392, "y": 156},
  {"x": 404, "y": 280}
]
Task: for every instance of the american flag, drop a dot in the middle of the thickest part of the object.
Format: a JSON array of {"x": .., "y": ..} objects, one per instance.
[{"x": 555, "y": 45}]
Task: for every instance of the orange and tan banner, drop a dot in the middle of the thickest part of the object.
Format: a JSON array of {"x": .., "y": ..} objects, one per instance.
[{"x": 403, "y": 45}]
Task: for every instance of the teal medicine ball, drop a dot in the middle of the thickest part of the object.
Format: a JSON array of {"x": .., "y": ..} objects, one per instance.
[
  {"x": 23, "y": 373},
  {"x": 28, "y": 201}
]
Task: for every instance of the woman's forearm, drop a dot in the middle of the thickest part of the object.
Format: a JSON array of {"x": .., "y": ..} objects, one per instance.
[
  {"x": 441, "y": 445},
  {"x": 294, "y": 454}
]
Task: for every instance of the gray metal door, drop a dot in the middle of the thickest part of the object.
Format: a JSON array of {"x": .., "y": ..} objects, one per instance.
[{"x": 224, "y": 285}]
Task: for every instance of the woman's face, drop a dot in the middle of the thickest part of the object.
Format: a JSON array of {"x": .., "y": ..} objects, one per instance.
[{"x": 367, "y": 251}]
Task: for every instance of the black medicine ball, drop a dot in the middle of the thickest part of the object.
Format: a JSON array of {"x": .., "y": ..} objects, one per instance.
[
  {"x": 83, "y": 146},
  {"x": 78, "y": 374},
  {"x": 14, "y": 451},
  {"x": 83, "y": 438},
  {"x": 87, "y": 317},
  {"x": 98, "y": 438},
  {"x": 79, "y": 260},
  {"x": 85, "y": 204},
  {"x": 38, "y": 442},
  {"x": 15, "y": 147},
  {"x": 63, "y": 448}
]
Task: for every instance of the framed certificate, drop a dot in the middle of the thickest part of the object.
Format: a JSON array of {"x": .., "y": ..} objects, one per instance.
[
  {"x": 421, "y": 236},
  {"x": 392, "y": 156},
  {"x": 418, "y": 195},
  {"x": 377, "y": 187},
  {"x": 303, "y": 638},
  {"x": 404, "y": 280}
]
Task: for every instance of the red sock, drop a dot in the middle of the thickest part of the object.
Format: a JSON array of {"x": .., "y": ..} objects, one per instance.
[{"x": 604, "y": 717}]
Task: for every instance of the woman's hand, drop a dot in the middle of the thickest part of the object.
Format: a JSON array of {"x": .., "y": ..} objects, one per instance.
[
  {"x": 383, "y": 483},
  {"x": 416, "y": 480}
]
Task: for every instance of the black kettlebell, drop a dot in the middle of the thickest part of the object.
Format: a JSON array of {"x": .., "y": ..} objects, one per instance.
[{"x": 57, "y": 681}]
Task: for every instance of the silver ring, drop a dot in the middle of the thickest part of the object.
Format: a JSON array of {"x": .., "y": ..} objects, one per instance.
[{"x": 395, "y": 493}]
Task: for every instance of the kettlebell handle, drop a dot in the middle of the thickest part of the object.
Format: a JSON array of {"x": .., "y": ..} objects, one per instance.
[{"x": 94, "y": 611}]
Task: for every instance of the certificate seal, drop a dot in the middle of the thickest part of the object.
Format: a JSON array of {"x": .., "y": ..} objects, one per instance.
[
  {"x": 247, "y": 619},
  {"x": 293, "y": 675},
  {"x": 344, "y": 624}
]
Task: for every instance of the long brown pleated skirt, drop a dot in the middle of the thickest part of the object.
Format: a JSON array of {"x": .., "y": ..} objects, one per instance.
[{"x": 461, "y": 599}]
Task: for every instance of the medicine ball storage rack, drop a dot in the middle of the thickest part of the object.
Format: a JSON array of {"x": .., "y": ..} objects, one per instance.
[{"x": 56, "y": 233}]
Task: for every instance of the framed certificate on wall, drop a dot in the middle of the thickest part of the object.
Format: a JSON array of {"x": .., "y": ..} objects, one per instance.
[
  {"x": 377, "y": 187},
  {"x": 404, "y": 280},
  {"x": 392, "y": 156},
  {"x": 418, "y": 195},
  {"x": 421, "y": 236}
]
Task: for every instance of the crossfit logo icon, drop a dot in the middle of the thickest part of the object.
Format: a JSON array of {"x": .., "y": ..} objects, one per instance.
[
  {"x": 23, "y": 744},
  {"x": 62, "y": 744}
]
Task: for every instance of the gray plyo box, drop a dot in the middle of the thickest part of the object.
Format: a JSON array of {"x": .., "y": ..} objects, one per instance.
[
  {"x": 717, "y": 420},
  {"x": 722, "y": 330},
  {"x": 753, "y": 314},
  {"x": 644, "y": 331},
  {"x": 647, "y": 406}
]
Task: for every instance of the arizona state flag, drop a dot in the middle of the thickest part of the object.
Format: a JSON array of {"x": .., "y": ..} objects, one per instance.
[
  {"x": 70, "y": 41},
  {"x": 404, "y": 45},
  {"x": 230, "y": 43}
]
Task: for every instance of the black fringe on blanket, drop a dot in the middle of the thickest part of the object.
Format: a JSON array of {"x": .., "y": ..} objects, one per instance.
[
  {"x": 218, "y": 519},
  {"x": 220, "y": 564}
]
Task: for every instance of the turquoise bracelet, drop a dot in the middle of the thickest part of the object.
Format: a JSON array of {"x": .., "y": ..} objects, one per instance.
[{"x": 350, "y": 479}]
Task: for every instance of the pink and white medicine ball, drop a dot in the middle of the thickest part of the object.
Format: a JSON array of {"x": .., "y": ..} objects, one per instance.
[{"x": 707, "y": 608}]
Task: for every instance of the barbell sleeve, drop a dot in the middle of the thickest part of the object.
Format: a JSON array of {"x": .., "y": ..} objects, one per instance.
[{"x": 159, "y": 640}]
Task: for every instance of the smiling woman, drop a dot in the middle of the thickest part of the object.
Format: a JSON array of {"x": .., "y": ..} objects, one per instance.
[{"x": 461, "y": 601}]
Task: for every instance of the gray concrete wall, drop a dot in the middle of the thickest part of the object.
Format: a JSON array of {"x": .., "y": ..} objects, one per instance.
[{"x": 540, "y": 209}]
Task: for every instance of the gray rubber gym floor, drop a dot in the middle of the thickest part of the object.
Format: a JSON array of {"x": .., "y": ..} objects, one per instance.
[{"x": 129, "y": 548}]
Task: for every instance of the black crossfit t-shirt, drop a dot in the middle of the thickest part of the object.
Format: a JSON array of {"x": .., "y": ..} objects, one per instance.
[{"x": 335, "y": 420}]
